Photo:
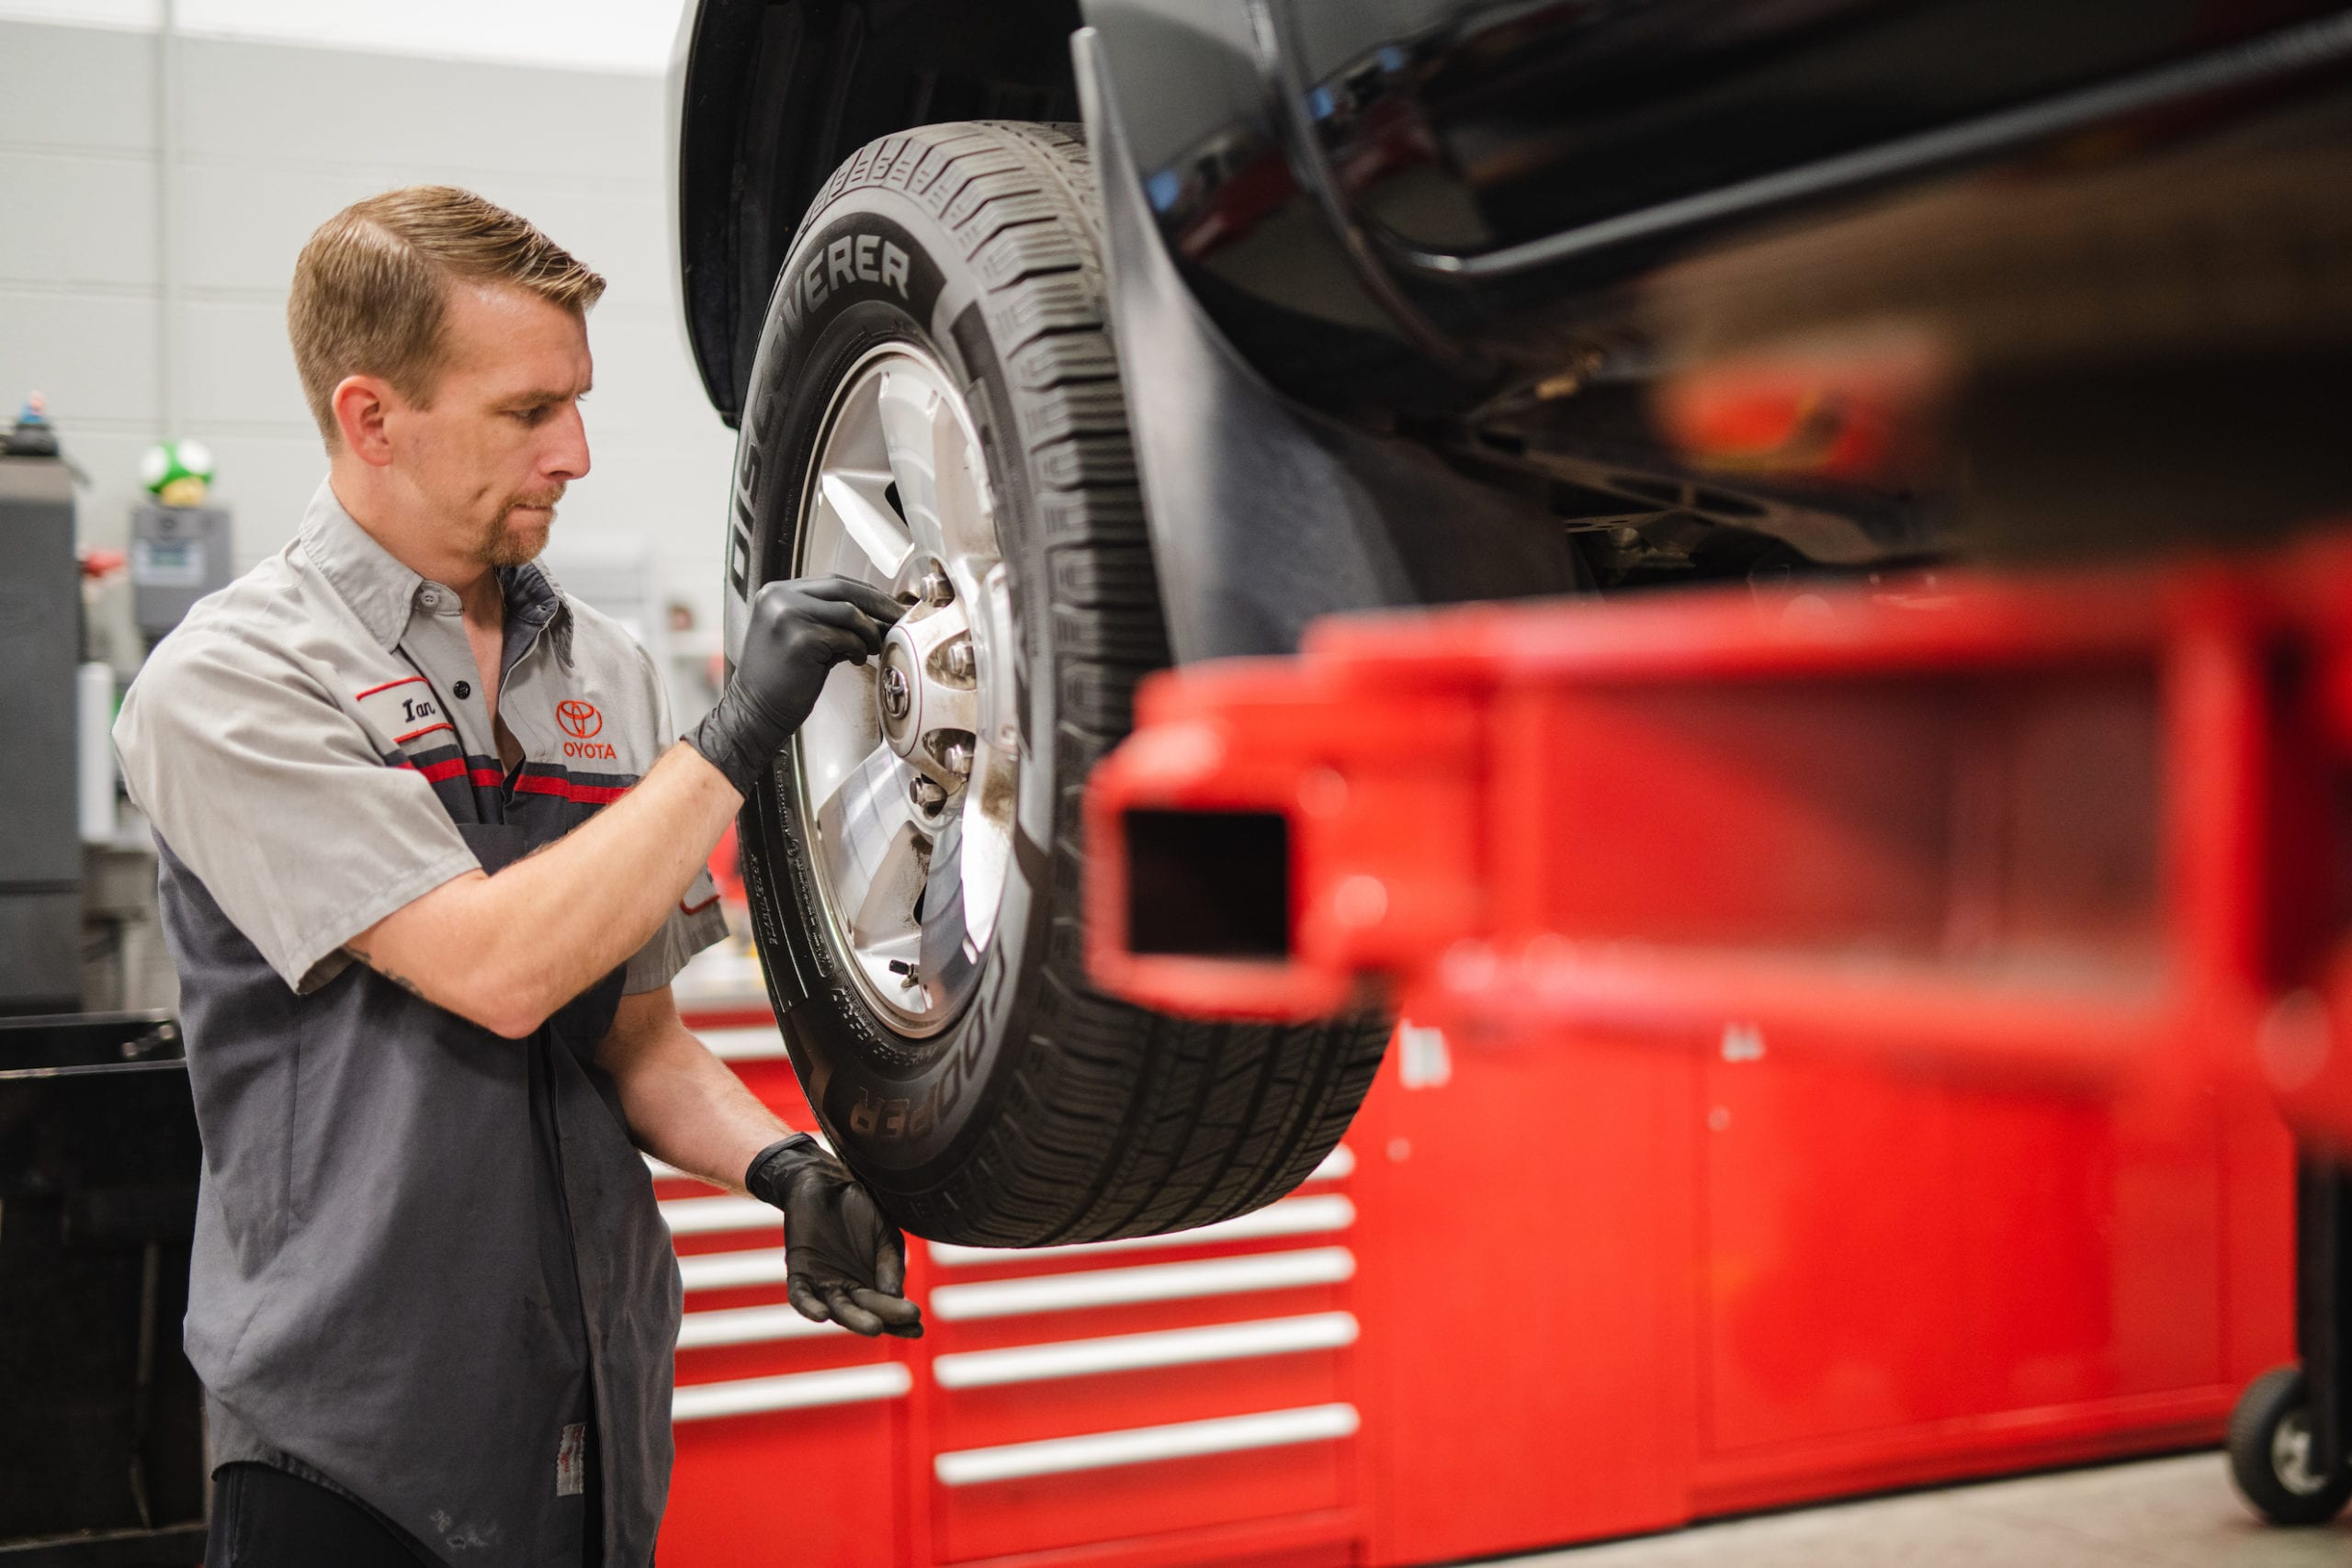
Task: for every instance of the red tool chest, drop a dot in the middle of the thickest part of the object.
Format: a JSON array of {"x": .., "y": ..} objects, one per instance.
[{"x": 1546, "y": 1293}]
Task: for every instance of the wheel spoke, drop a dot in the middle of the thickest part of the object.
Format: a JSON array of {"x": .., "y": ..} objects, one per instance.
[
  {"x": 947, "y": 955},
  {"x": 984, "y": 855},
  {"x": 873, "y": 848},
  {"x": 997, "y": 716},
  {"x": 966, "y": 523},
  {"x": 909, "y": 434},
  {"x": 856, "y": 496}
]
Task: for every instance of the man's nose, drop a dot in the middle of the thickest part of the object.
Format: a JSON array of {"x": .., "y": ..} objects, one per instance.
[{"x": 567, "y": 456}]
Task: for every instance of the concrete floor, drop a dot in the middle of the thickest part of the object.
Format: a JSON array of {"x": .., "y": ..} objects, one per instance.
[{"x": 2166, "y": 1513}]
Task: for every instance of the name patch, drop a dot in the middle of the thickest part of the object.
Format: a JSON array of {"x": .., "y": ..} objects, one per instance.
[{"x": 406, "y": 711}]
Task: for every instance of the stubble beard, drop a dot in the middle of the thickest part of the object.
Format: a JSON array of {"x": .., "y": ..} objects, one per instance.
[{"x": 503, "y": 545}]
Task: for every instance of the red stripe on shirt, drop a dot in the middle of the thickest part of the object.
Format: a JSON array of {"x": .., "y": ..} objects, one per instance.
[
  {"x": 455, "y": 768},
  {"x": 404, "y": 740},
  {"x": 579, "y": 794},
  {"x": 388, "y": 686},
  {"x": 686, "y": 909}
]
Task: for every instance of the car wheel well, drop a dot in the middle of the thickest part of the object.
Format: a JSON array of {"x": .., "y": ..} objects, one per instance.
[{"x": 774, "y": 92}]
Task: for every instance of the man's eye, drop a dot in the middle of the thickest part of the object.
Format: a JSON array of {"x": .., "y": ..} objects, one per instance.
[{"x": 531, "y": 415}]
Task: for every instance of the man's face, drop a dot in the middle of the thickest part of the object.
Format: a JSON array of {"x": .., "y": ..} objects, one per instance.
[{"x": 502, "y": 436}]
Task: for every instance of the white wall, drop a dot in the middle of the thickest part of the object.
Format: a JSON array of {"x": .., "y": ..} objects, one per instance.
[{"x": 273, "y": 138}]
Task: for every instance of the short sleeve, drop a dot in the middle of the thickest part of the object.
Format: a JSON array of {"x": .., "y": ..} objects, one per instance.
[
  {"x": 274, "y": 796},
  {"x": 697, "y": 923}
]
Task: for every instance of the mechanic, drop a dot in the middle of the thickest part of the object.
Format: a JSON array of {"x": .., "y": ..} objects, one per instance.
[{"x": 428, "y": 873}]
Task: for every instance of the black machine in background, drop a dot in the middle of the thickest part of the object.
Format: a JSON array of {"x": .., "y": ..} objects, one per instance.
[
  {"x": 102, "y": 1447},
  {"x": 41, "y": 639}
]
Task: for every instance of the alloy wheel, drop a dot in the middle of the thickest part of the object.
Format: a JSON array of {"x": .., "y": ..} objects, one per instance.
[{"x": 908, "y": 763}]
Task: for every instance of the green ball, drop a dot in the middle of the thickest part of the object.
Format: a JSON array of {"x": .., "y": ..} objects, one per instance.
[{"x": 169, "y": 460}]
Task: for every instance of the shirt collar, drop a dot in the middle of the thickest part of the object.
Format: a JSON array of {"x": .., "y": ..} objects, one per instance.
[
  {"x": 366, "y": 576},
  {"x": 535, "y": 602},
  {"x": 382, "y": 592}
]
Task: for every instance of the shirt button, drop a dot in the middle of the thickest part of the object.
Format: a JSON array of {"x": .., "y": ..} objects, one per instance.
[
  {"x": 463, "y": 689},
  {"x": 430, "y": 598}
]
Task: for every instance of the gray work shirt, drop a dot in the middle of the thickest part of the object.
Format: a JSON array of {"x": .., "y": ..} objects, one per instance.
[{"x": 428, "y": 1264}]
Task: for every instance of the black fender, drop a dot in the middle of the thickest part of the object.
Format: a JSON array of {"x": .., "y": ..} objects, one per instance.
[{"x": 1264, "y": 513}]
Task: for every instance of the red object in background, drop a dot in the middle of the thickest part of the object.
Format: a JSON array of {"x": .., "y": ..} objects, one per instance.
[
  {"x": 1845, "y": 1034},
  {"x": 727, "y": 869},
  {"x": 2081, "y": 831},
  {"x": 1867, "y": 408},
  {"x": 1547, "y": 1292}
]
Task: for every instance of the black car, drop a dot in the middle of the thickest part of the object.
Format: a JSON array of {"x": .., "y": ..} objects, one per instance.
[{"x": 1131, "y": 330}]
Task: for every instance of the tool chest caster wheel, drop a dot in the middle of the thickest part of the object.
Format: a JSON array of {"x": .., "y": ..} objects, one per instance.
[{"x": 2270, "y": 1453}]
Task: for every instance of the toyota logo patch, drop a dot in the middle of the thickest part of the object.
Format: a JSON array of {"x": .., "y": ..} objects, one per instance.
[{"x": 579, "y": 720}]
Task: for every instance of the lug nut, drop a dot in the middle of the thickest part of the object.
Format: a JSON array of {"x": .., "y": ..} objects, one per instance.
[
  {"x": 927, "y": 794},
  {"x": 961, "y": 660},
  {"x": 936, "y": 589},
  {"x": 958, "y": 758}
]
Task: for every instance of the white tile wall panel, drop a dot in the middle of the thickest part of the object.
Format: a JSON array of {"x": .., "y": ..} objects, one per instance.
[
  {"x": 331, "y": 106},
  {"x": 76, "y": 88},
  {"x": 76, "y": 218},
  {"x": 238, "y": 369},
  {"x": 244, "y": 218},
  {"x": 94, "y": 354},
  {"x": 659, "y": 397}
]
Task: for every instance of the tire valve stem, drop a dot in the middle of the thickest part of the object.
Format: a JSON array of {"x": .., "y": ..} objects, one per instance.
[{"x": 910, "y": 976}]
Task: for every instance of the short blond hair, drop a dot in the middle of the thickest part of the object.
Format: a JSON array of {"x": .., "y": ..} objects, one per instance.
[{"x": 371, "y": 286}]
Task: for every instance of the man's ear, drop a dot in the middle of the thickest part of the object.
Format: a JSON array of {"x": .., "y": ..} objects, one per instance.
[{"x": 360, "y": 403}]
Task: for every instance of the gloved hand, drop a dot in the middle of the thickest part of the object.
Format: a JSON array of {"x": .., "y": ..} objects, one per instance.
[
  {"x": 799, "y": 631},
  {"x": 843, "y": 1262}
]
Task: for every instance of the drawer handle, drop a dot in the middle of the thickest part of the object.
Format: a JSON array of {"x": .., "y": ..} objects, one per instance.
[
  {"x": 1132, "y": 1352},
  {"x": 1338, "y": 1166},
  {"x": 1291, "y": 1216},
  {"x": 661, "y": 1171},
  {"x": 1146, "y": 1445},
  {"x": 794, "y": 1391},
  {"x": 1151, "y": 1283},
  {"x": 724, "y": 1270},
  {"x": 747, "y": 1325},
  {"x": 706, "y": 1216},
  {"x": 765, "y": 1044}
]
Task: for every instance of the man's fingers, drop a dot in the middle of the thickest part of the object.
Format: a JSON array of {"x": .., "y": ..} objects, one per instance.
[
  {"x": 897, "y": 1315},
  {"x": 806, "y": 1302},
  {"x": 837, "y": 646},
  {"x": 847, "y": 1312},
  {"x": 890, "y": 1264},
  {"x": 875, "y": 602},
  {"x": 847, "y": 616}
]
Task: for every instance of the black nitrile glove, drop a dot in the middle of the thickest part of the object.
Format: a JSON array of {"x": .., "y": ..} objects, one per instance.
[
  {"x": 800, "y": 630},
  {"x": 843, "y": 1262}
]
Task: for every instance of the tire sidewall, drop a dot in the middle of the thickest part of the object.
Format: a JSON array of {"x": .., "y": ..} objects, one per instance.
[{"x": 901, "y": 1110}]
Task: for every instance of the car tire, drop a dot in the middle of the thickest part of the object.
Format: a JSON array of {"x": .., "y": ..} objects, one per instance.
[
  {"x": 994, "y": 1099},
  {"x": 2269, "y": 1445}
]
